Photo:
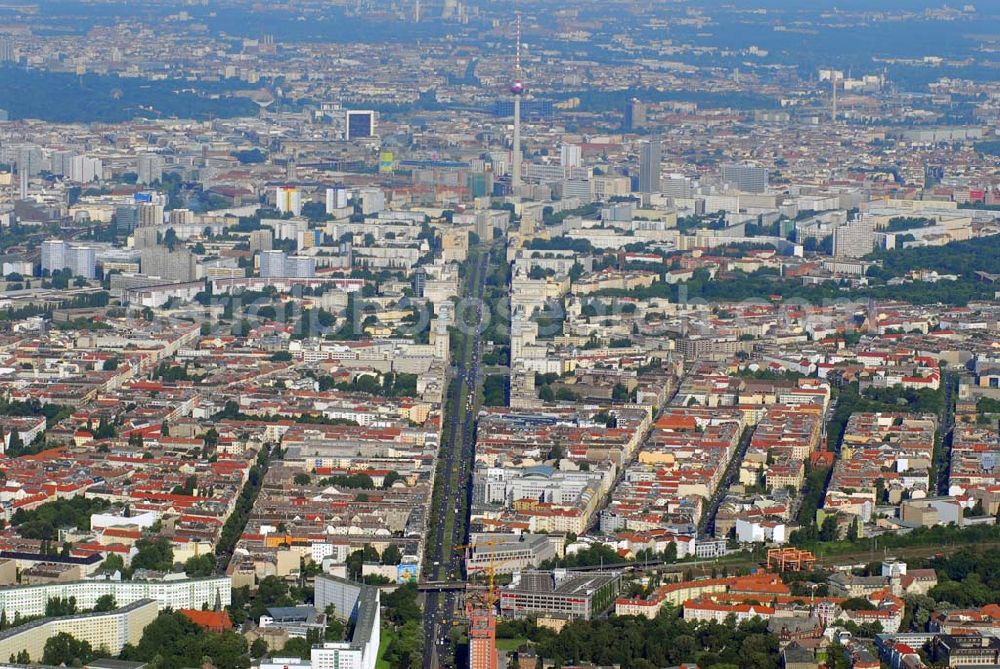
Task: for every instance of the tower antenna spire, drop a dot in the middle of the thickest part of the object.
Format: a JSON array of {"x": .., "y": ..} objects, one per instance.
[
  {"x": 517, "y": 52},
  {"x": 517, "y": 90}
]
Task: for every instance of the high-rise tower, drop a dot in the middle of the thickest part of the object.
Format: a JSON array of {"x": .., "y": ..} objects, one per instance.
[
  {"x": 649, "y": 166},
  {"x": 517, "y": 89}
]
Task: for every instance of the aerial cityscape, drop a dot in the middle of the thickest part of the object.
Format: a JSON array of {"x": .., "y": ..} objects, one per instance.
[{"x": 499, "y": 334}]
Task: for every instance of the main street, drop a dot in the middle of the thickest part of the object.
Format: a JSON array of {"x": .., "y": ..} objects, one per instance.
[{"x": 453, "y": 478}]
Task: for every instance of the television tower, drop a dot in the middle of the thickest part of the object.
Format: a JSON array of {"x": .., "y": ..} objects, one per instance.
[
  {"x": 517, "y": 90},
  {"x": 833, "y": 81}
]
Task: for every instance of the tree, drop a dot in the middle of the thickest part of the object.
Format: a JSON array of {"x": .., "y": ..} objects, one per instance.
[
  {"x": 175, "y": 642},
  {"x": 271, "y": 591},
  {"x": 369, "y": 554},
  {"x": 105, "y": 430},
  {"x": 392, "y": 555},
  {"x": 356, "y": 481},
  {"x": 401, "y": 606},
  {"x": 227, "y": 650},
  {"x": 852, "y": 531},
  {"x": 296, "y": 647},
  {"x": 567, "y": 395},
  {"x": 829, "y": 530},
  {"x": 105, "y": 603},
  {"x": 857, "y": 604},
  {"x": 354, "y": 563},
  {"x": 390, "y": 478},
  {"x": 258, "y": 648},
  {"x": 200, "y": 566},
  {"x": 113, "y": 562},
  {"x": 406, "y": 648},
  {"x": 58, "y": 607},
  {"x": 15, "y": 444},
  {"x": 63, "y": 649},
  {"x": 156, "y": 554},
  {"x": 301, "y": 479},
  {"x": 619, "y": 393}
]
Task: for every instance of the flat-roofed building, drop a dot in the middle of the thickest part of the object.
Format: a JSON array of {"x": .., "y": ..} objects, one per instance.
[
  {"x": 109, "y": 630},
  {"x": 562, "y": 593},
  {"x": 176, "y": 593}
]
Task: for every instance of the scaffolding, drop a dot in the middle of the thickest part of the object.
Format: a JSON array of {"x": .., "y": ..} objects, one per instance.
[{"x": 789, "y": 559}]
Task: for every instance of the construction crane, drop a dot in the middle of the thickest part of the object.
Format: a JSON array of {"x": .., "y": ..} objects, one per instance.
[{"x": 490, "y": 570}]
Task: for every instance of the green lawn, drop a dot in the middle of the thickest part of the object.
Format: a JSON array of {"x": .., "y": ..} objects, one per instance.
[
  {"x": 510, "y": 644},
  {"x": 388, "y": 634}
]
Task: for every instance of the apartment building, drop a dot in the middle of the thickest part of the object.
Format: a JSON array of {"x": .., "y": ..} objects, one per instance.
[
  {"x": 172, "y": 591},
  {"x": 109, "y": 630}
]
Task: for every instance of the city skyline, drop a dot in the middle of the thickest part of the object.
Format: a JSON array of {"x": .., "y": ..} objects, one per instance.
[{"x": 468, "y": 333}]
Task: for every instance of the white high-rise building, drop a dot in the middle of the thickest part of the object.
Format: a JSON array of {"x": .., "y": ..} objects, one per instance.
[
  {"x": 58, "y": 255},
  {"x": 747, "y": 178},
  {"x": 54, "y": 255},
  {"x": 855, "y": 238},
  {"x": 150, "y": 215},
  {"x": 60, "y": 161},
  {"x": 570, "y": 155},
  {"x": 6, "y": 50},
  {"x": 336, "y": 198},
  {"x": 30, "y": 160},
  {"x": 149, "y": 168},
  {"x": 279, "y": 265},
  {"x": 272, "y": 264},
  {"x": 83, "y": 261},
  {"x": 84, "y": 170},
  {"x": 300, "y": 267},
  {"x": 649, "y": 166},
  {"x": 355, "y": 602},
  {"x": 178, "y": 265},
  {"x": 677, "y": 185},
  {"x": 289, "y": 199}
]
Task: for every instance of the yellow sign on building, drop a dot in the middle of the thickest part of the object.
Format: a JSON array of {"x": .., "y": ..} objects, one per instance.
[{"x": 385, "y": 162}]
